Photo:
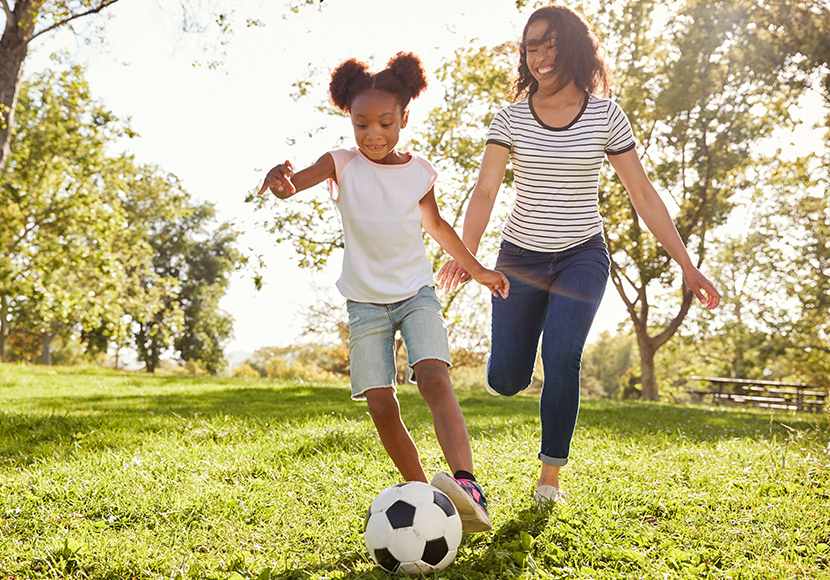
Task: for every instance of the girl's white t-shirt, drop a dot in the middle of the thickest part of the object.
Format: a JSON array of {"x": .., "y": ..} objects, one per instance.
[{"x": 384, "y": 259}]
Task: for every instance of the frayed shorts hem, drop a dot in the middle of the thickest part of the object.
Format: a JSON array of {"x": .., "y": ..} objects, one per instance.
[
  {"x": 557, "y": 461},
  {"x": 361, "y": 396}
]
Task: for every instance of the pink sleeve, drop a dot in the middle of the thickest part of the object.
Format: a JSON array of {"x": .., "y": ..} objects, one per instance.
[
  {"x": 341, "y": 159},
  {"x": 433, "y": 175}
]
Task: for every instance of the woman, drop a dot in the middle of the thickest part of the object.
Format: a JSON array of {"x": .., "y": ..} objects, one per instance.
[{"x": 557, "y": 134}]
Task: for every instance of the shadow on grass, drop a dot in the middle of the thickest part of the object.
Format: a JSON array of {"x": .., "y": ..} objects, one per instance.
[
  {"x": 481, "y": 556},
  {"x": 159, "y": 404}
]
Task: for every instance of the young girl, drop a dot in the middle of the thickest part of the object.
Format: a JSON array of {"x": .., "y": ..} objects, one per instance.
[
  {"x": 556, "y": 135},
  {"x": 384, "y": 197}
]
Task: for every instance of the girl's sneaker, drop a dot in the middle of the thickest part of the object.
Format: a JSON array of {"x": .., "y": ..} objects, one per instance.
[
  {"x": 468, "y": 499},
  {"x": 548, "y": 495}
]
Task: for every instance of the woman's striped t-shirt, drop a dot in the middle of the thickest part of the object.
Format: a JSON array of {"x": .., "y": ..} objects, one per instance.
[{"x": 556, "y": 171}]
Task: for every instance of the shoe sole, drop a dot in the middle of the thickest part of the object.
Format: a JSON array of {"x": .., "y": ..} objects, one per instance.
[{"x": 473, "y": 517}]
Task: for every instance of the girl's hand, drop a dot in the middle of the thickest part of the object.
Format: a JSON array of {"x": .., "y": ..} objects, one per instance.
[
  {"x": 278, "y": 181},
  {"x": 451, "y": 276},
  {"x": 702, "y": 288},
  {"x": 495, "y": 281}
]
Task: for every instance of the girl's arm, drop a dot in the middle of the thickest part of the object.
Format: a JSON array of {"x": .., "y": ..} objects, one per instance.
[
  {"x": 443, "y": 233},
  {"x": 490, "y": 176},
  {"x": 283, "y": 182},
  {"x": 650, "y": 207}
]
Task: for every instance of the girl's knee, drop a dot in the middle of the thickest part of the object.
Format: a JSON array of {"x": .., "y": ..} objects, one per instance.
[
  {"x": 433, "y": 379},
  {"x": 382, "y": 402}
]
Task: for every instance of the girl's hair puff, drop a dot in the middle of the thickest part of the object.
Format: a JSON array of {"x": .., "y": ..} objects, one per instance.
[{"x": 404, "y": 77}]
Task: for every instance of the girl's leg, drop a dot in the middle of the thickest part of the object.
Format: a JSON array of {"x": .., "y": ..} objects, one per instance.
[
  {"x": 577, "y": 290},
  {"x": 451, "y": 431},
  {"x": 396, "y": 440},
  {"x": 434, "y": 384}
]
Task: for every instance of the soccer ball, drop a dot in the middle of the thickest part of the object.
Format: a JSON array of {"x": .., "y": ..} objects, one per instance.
[{"x": 412, "y": 527}]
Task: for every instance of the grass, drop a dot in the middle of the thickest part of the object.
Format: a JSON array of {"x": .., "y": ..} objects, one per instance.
[{"x": 107, "y": 475}]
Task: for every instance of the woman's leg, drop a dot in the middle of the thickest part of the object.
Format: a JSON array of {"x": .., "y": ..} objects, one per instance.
[
  {"x": 575, "y": 295},
  {"x": 518, "y": 320},
  {"x": 396, "y": 440}
]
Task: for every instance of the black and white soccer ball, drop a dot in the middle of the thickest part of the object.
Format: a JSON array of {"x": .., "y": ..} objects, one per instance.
[{"x": 412, "y": 527}]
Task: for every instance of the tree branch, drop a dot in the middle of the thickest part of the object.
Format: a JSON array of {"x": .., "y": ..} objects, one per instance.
[
  {"x": 71, "y": 17},
  {"x": 669, "y": 331},
  {"x": 8, "y": 10}
]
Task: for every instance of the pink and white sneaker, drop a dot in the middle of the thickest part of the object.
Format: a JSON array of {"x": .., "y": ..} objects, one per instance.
[{"x": 469, "y": 500}]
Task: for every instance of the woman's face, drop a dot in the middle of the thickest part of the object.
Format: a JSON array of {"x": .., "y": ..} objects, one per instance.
[{"x": 540, "y": 51}]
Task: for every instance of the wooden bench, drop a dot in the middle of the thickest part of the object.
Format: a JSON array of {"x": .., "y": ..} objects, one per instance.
[{"x": 769, "y": 394}]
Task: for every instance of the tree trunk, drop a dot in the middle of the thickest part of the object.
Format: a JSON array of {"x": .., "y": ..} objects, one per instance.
[
  {"x": 4, "y": 328},
  {"x": 648, "y": 377},
  {"x": 46, "y": 339},
  {"x": 14, "y": 45},
  {"x": 649, "y": 345}
]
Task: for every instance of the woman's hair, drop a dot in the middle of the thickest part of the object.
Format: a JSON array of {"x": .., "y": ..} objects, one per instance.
[
  {"x": 404, "y": 77},
  {"x": 579, "y": 56}
]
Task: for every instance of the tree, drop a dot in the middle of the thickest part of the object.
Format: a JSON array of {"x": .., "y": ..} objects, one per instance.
[
  {"x": 199, "y": 261},
  {"x": 605, "y": 363},
  {"x": 699, "y": 102},
  {"x": 66, "y": 251}
]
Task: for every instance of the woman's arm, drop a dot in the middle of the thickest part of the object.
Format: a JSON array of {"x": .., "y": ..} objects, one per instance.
[
  {"x": 650, "y": 207},
  {"x": 490, "y": 176}
]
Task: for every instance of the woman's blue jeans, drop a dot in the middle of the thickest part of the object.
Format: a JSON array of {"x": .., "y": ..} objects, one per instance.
[{"x": 555, "y": 295}]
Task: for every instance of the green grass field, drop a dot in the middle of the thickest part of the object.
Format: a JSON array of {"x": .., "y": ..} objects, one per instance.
[{"x": 108, "y": 475}]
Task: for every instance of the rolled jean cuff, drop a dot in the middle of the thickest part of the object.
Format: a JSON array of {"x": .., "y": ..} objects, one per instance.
[{"x": 558, "y": 461}]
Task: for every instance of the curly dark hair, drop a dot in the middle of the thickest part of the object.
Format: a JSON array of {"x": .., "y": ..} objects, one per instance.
[
  {"x": 404, "y": 77},
  {"x": 579, "y": 56}
]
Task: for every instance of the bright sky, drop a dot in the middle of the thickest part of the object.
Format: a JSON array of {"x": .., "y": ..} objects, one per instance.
[{"x": 220, "y": 131}]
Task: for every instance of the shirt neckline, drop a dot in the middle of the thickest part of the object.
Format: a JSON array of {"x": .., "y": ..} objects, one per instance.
[
  {"x": 569, "y": 125},
  {"x": 385, "y": 165}
]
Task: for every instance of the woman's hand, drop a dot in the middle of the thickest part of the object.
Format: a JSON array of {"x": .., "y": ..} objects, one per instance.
[
  {"x": 496, "y": 282},
  {"x": 702, "y": 287}
]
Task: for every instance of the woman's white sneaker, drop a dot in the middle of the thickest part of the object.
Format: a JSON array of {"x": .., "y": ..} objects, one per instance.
[{"x": 548, "y": 495}]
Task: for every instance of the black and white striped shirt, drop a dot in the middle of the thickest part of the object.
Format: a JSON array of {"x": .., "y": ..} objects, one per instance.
[{"x": 557, "y": 171}]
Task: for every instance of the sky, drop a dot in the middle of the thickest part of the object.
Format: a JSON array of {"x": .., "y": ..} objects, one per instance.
[{"x": 220, "y": 130}]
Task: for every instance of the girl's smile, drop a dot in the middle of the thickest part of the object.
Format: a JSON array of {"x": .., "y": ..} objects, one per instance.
[{"x": 377, "y": 120}]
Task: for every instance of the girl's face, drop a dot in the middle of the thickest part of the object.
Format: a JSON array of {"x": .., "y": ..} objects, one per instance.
[
  {"x": 377, "y": 120},
  {"x": 540, "y": 48}
]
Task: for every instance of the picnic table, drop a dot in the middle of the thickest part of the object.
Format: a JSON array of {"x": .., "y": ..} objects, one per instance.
[{"x": 770, "y": 394}]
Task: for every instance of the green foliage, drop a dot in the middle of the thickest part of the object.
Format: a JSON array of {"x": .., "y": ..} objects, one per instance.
[
  {"x": 67, "y": 255},
  {"x": 96, "y": 245},
  {"x": 605, "y": 363},
  {"x": 113, "y": 475},
  {"x": 774, "y": 319},
  {"x": 307, "y": 362},
  {"x": 703, "y": 83}
]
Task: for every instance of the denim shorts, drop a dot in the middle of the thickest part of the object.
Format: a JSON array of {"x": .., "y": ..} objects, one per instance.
[{"x": 372, "y": 329}]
